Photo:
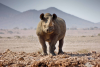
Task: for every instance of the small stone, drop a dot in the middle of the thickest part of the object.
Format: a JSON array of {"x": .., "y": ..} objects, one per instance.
[
  {"x": 21, "y": 59},
  {"x": 98, "y": 55},
  {"x": 94, "y": 52},
  {"x": 65, "y": 56}
]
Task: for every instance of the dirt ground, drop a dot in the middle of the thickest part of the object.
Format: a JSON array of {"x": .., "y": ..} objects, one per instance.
[
  {"x": 27, "y": 41},
  {"x": 22, "y": 49}
]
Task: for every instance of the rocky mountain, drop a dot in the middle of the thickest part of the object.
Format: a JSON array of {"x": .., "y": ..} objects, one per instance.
[
  {"x": 6, "y": 11},
  {"x": 98, "y": 23},
  {"x": 6, "y": 14},
  {"x": 71, "y": 21},
  {"x": 10, "y": 18}
]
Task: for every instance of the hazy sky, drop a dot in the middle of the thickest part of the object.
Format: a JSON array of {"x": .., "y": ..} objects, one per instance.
[{"x": 85, "y": 9}]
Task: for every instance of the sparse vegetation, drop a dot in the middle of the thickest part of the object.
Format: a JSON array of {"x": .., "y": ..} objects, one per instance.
[
  {"x": 83, "y": 51},
  {"x": 9, "y": 37},
  {"x": 17, "y": 36},
  {"x": 17, "y": 32},
  {"x": 16, "y": 28},
  {"x": 34, "y": 28},
  {"x": 99, "y": 34},
  {"x": 10, "y": 32},
  {"x": 0, "y": 37},
  {"x": 92, "y": 36},
  {"x": 1, "y": 33},
  {"x": 74, "y": 46},
  {"x": 25, "y": 29},
  {"x": 73, "y": 28},
  {"x": 83, "y": 36}
]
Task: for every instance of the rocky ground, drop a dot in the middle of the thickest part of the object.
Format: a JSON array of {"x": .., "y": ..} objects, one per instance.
[
  {"x": 68, "y": 59},
  {"x": 81, "y": 49}
]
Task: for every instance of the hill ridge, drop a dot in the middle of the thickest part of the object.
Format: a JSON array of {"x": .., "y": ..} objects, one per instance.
[{"x": 30, "y": 18}]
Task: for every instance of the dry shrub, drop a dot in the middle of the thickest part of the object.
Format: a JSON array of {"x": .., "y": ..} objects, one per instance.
[
  {"x": 9, "y": 37},
  {"x": 92, "y": 36},
  {"x": 99, "y": 34},
  {"x": 10, "y": 32},
  {"x": 1, "y": 33},
  {"x": 83, "y": 36},
  {"x": 0, "y": 37},
  {"x": 83, "y": 51},
  {"x": 17, "y": 36}
]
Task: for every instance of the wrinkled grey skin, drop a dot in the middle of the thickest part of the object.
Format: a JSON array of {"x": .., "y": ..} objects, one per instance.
[{"x": 51, "y": 29}]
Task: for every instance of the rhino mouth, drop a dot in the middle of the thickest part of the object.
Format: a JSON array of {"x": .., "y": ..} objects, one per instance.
[{"x": 50, "y": 30}]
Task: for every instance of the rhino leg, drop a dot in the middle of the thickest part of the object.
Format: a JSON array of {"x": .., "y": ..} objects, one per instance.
[
  {"x": 52, "y": 45},
  {"x": 44, "y": 47},
  {"x": 51, "y": 49},
  {"x": 60, "y": 46}
]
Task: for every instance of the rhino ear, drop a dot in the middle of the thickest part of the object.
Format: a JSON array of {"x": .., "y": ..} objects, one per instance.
[
  {"x": 54, "y": 16},
  {"x": 42, "y": 16}
]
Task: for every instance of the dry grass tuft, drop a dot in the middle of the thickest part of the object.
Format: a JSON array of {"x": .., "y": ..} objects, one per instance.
[
  {"x": 92, "y": 36},
  {"x": 17, "y": 36},
  {"x": 99, "y": 34},
  {"x": 40, "y": 51},
  {"x": 9, "y": 37},
  {"x": 83, "y": 51},
  {"x": 0, "y": 37},
  {"x": 83, "y": 36}
]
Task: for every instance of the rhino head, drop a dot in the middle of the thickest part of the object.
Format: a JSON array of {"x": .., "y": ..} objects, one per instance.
[{"x": 48, "y": 22}]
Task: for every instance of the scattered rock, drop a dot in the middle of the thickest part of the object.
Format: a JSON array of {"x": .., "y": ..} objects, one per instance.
[
  {"x": 23, "y": 59},
  {"x": 94, "y": 52}
]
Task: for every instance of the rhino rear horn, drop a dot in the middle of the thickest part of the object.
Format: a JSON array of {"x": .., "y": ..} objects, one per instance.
[{"x": 42, "y": 16}]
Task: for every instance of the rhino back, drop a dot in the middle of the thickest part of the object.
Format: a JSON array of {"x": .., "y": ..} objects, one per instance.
[{"x": 60, "y": 23}]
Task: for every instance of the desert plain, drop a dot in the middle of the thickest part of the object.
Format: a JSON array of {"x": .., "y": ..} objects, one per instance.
[
  {"x": 25, "y": 44},
  {"x": 27, "y": 40}
]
